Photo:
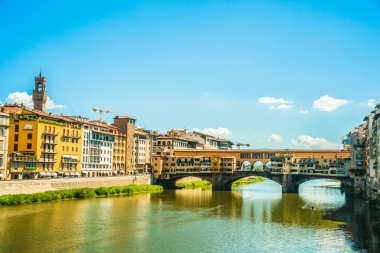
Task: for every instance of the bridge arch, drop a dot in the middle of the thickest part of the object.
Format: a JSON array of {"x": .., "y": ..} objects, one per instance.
[
  {"x": 307, "y": 178},
  {"x": 258, "y": 165},
  {"x": 237, "y": 176},
  {"x": 246, "y": 166},
  {"x": 268, "y": 166}
]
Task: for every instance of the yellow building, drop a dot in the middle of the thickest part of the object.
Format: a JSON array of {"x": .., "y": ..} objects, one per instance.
[
  {"x": 167, "y": 162},
  {"x": 119, "y": 148},
  {"x": 127, "y": 126},
  {"x": 42, "y": 144}
]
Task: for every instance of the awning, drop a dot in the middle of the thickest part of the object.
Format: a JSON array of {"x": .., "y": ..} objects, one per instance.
[
  {"x": 77, "y": 173},
  {"x": 54, "y": 174},
  {"x": 48, "y": 174},
  {"x": 67, "y": 174},
  {"x": 1, "y": 175},
  {"x": 42, "y": 174},
  {"x": 74, "y": 157},
  {"x": 66, "y": 156}
]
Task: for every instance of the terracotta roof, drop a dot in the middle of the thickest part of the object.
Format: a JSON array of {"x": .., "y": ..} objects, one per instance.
[{"x": 11, "y": 108}]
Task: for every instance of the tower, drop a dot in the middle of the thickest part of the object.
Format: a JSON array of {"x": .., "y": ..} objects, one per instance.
[{"x": 39, "y": 92}]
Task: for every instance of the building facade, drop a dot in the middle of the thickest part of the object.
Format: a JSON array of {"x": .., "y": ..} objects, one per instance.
[
  {"x": 97, "y": 147},
  {"x": 120, "y": 145},
  {"x": 127, "y": 126},
  {"x": 39, "y": 93},
  {"x": 42, "y": 144},
  {"x": 4, "y": 135}
]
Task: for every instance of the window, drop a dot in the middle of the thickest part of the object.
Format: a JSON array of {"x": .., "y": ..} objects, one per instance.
[
  {"x": 16, "y": 137},
  {"x": 30, "y": 136},
  {"x": 15, "y": 147},
  {"x": 1, "y": 145},
  {"x": 29, "y": 146},
  {"x": 17, "y": 128}
]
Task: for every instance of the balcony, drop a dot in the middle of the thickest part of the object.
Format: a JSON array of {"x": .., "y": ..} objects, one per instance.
[
  {"x": 74, "y": 136},
  {"x": 67, "y": 160},
  {"x": 49, "y": 151},
  {"x": 50, "y": 133},
  {"x": 48, "y": 160},
  {"x": 53, "y": 142},
  {"x": 24, "y": 159},
  {"x": 66, "y": 135}
]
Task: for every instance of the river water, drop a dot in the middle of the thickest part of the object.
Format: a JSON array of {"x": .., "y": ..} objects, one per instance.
[{"x": 253, "y": 218}]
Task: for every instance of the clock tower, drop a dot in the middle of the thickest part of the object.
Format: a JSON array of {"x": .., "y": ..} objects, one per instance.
[{"x": 39, "y": 92}]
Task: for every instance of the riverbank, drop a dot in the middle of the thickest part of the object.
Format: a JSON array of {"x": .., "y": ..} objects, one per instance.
[
  {"x": 42, "y": 185},
  {"x": 72, "y": 194},
  {"x": 205, "y": 184},
  {"x": 248, "y": 180}
]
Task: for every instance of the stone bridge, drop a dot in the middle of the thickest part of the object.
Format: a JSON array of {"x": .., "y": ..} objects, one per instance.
[{"x": 223, "y": 181}]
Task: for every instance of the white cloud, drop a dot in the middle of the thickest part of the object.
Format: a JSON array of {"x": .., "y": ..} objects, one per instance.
[
  {"x": 306, "y": 141},
  {"x": 281, "y": 107},
  {"x": 275, "y": 138},
  {"x": 303, "y": 111},
  {"x": 328, "y": 104},
  {"x": 371, "y": 103},
  {"x": 276, "y": 103},
  {"x": 26, "y": 99},
  {"x": 220, "y": 131}
]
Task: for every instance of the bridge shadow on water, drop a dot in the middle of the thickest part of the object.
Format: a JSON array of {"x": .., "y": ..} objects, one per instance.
[{"x": 316, "y": 206}]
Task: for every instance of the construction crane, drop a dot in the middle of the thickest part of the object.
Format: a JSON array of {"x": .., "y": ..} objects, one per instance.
[
  {"x": 241, "y": 145},
  {"x": 101, "y": 111}
]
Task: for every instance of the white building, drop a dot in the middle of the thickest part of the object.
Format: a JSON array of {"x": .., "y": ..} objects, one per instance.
[
  {"x": 97, "y": 147},
  {"x": 143, "y": 150},
  {"x": 4, "y": 134}
]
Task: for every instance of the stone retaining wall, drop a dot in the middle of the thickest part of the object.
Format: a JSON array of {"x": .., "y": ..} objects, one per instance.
[{"x": 41, "y": 185}]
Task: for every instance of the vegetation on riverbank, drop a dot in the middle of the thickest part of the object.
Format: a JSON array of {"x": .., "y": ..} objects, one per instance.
[
  {"x": 248, "y": 180},
  {"x": 83, "y": 193},
  {"x": 205, "y": 184},
  {"x": 196, "y": 184}
]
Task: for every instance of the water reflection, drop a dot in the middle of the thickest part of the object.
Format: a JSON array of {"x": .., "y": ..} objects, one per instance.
[{"x": 252, "y": 218}]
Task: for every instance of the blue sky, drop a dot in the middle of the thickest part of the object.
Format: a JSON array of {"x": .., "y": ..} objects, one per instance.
[{"x": 242, "y": 69}]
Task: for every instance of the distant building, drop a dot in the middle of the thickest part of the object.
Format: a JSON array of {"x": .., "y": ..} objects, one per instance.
[
  {"x": 119, "y": 149},
  {"x": 97, "y": 147},
  {"x": 372, "y": 154},
  {"x": 4, "y": 135},
  {"x": 127, "y": 126},
  {"x": 39, "y": 93},
  {"x": 182, "y": 139},
  {"x": 143, "y": 150}
]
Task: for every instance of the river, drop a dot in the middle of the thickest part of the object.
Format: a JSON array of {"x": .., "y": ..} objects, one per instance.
[{"x": 253, "y": 218}]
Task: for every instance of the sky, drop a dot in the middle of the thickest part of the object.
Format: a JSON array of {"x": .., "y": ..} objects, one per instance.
[{"x": 272, "y": 74}]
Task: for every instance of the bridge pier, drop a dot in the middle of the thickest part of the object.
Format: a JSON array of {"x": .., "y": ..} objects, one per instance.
[
  {"x": 288, "y": 184},
  {"x": 219, "y": 183}
]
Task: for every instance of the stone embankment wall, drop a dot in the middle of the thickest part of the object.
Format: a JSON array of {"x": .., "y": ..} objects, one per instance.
[{"x": 41, "y": 185}]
